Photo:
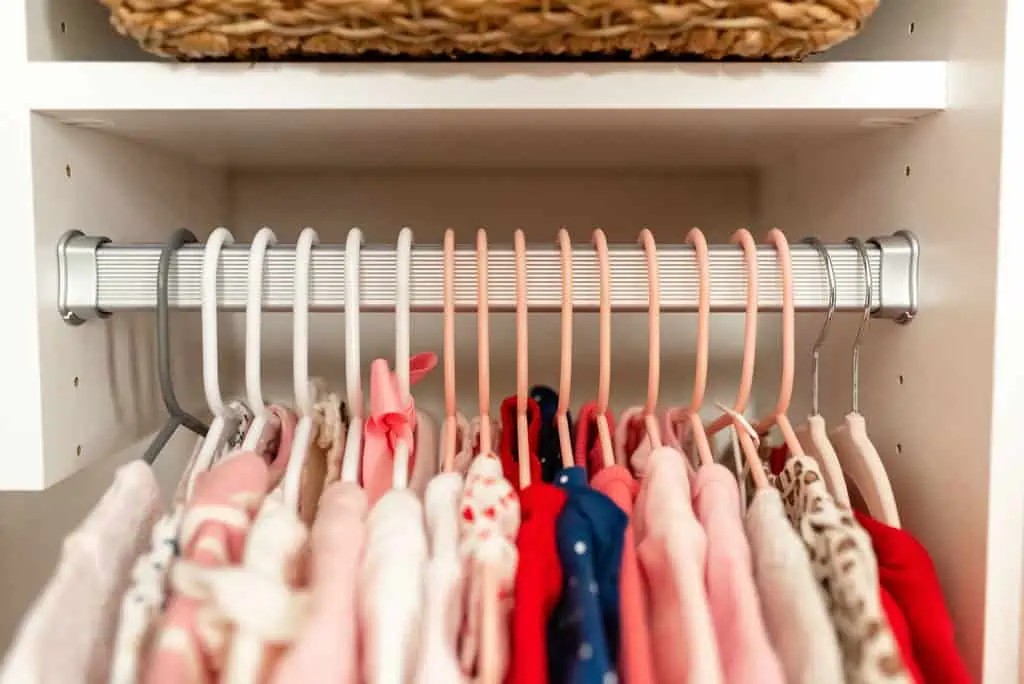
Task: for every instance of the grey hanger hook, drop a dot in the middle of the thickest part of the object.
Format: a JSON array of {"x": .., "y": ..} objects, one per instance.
[
  {"x": 866, "y": 263},
  {"x": 823, "y": 334},
  {"x": 177, "y": 416}
]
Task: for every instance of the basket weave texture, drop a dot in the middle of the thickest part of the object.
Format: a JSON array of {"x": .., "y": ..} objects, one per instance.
[{"x": 276, "y": 29}]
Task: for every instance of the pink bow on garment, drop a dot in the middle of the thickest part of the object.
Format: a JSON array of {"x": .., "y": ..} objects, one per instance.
[{"x": 390, "y": 421}]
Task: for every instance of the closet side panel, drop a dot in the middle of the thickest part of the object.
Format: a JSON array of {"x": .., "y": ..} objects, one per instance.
[
  {"x": 925, "y": 388},
  {"x": 99, "y": 380},
  {"x": 540, "y": 202}
]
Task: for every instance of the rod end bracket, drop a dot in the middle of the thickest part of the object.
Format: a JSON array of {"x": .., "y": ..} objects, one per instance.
[
  {"x": 899, "y": 276},
  {"x": 78, "y": 277}
]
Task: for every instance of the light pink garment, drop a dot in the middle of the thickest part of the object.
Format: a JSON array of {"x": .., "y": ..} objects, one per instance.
[
  {"x": 326, "y": 650},
  {"x": 390, "y": 420},
  {"x": 68, "y": 634},
  {"x": 391, "y": 588},
  {"x": 747, "y": 654},
  {"x": 444, "y": 585},
  {"x": 672, "y": 549},
  {"x": 191, "y": 638}
]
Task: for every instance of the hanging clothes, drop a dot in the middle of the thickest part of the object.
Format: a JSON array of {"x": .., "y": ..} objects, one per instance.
[
  {"x": 845, "y": 566},
  {"x": 538, "y": 583},
  {"x": 583, "y": 635},
  {"x": 510, "y": 440},
  {"x": 68, "y": 633},
  {"x": 549, "y": 447},
  {"x": 489, "y": 523},
  {"x": 908, "y": 575},
  {"x": 391, "y": 419},
  {"x": 444, "y": 582},
  {"x": 901, "y": 634},
  {"x": 672, "y": 549},
  {"x": 326, "y": 650},
  {"x": 191, "y": 637},
  {"x": 588, "y": 447},
  {"x": 791, "y": 601},
  {"x": 732, "y": 596}
]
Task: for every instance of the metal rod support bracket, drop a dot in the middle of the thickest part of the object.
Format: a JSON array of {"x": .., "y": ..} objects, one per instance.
[
  {"x": 78, "y": 277},
  {"x": 900, "y": 272}
]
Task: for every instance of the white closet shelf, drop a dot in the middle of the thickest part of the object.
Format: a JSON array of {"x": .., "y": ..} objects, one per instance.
[{"x": 497, "y": 115}]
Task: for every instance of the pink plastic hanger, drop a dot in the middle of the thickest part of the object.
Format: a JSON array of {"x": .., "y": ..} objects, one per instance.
[
  {"x": 653, "y": 338},
  {"x": 449, "y": 352},
  {"x": 858, "y": 456},
  {"x": 565, "y": 377},
  {"x": 522, "y": 361},
  {"x": 747, "y": 443},
  {"x": 604, "y": 349},
  {"x": 700, "y": 380},
  {"x": 483, "y": 343},
  {"x": 490, "y": 615},
  {"x": 779, "y": 417}
]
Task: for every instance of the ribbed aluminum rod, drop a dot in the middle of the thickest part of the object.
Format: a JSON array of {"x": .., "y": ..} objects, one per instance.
[{"x": 126, "y": 278}]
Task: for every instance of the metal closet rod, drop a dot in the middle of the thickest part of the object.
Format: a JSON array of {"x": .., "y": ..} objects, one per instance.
[{"x": 98, "y": 277}]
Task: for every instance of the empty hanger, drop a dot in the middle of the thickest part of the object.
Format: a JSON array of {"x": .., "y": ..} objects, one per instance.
[
  {"x": 858, "y": 456},
  {"x": 746, "y": 437},
  {"x": 604, "y": 349},
  {"x": 403, "y": 255},
  {"x": 522, "y": 363},
  {"x": 300, "y": 369},
  {"x": 813, "y": 435},
  {"x": 778, "y": 416},
  {"x": 450, "y": 404},
  {"x": 565, "y": 371},
  {"x": 352, "y": 460},
  {"x": 176, "y": 416},
  {"x": 225, "y": 422},
  {"x": 253, "y": 333}
]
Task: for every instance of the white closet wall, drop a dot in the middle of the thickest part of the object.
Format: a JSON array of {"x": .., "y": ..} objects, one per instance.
[{"x": 907, "y": 127}]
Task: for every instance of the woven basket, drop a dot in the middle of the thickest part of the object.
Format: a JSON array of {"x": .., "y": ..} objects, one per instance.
[{"x": 276, "y": 29}]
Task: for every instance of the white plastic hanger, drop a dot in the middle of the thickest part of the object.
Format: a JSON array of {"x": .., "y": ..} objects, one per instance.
[
  {"x": 224, "y": 421},
  {"x": 300, "y": 369},
  {"x": 350, "y": 464},
  {"x": 813, "y": 435},
  {"x": 253, "y": 334},
  {"x": 858, "y": 456},
  {"x": 403, "y": 255}
]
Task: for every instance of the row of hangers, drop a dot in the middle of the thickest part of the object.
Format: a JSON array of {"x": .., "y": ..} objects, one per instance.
[{"x": 846, "y": 449}]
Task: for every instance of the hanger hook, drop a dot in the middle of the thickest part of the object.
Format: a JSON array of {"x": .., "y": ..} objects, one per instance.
[
  {"x": 449, "y": 351},
  {"x": 700, "y": 245},
  {"x": 352, "y": 458},
  {"x": 300, "y": 317},
  {"x": 823, "y": 333},
  {"x": 402, "y": 308},
  {"x": 565, "y": 379},
  {"x": 865, "y": 316},
  {"x": 653, "y": 336},
  {"x": 483, "y": 341},
  {"x": 211, "y": 363},
  {"x": 522, "y": 360},
  {"x": 604, "y": 348},
  {"x": 253, "y": 317}
]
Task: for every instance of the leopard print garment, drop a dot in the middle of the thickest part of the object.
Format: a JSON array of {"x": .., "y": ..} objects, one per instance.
[{"x": 845, "y": 565}]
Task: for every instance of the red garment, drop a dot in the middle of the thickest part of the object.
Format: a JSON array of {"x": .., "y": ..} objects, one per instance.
[
  {"x": 510, "y": 440},
  {"x": 901, "y": 632},
  {"x": 538, "y": 584},
  {"x": 906, "y": 572},
  {"x": 588, "y": 445}
]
